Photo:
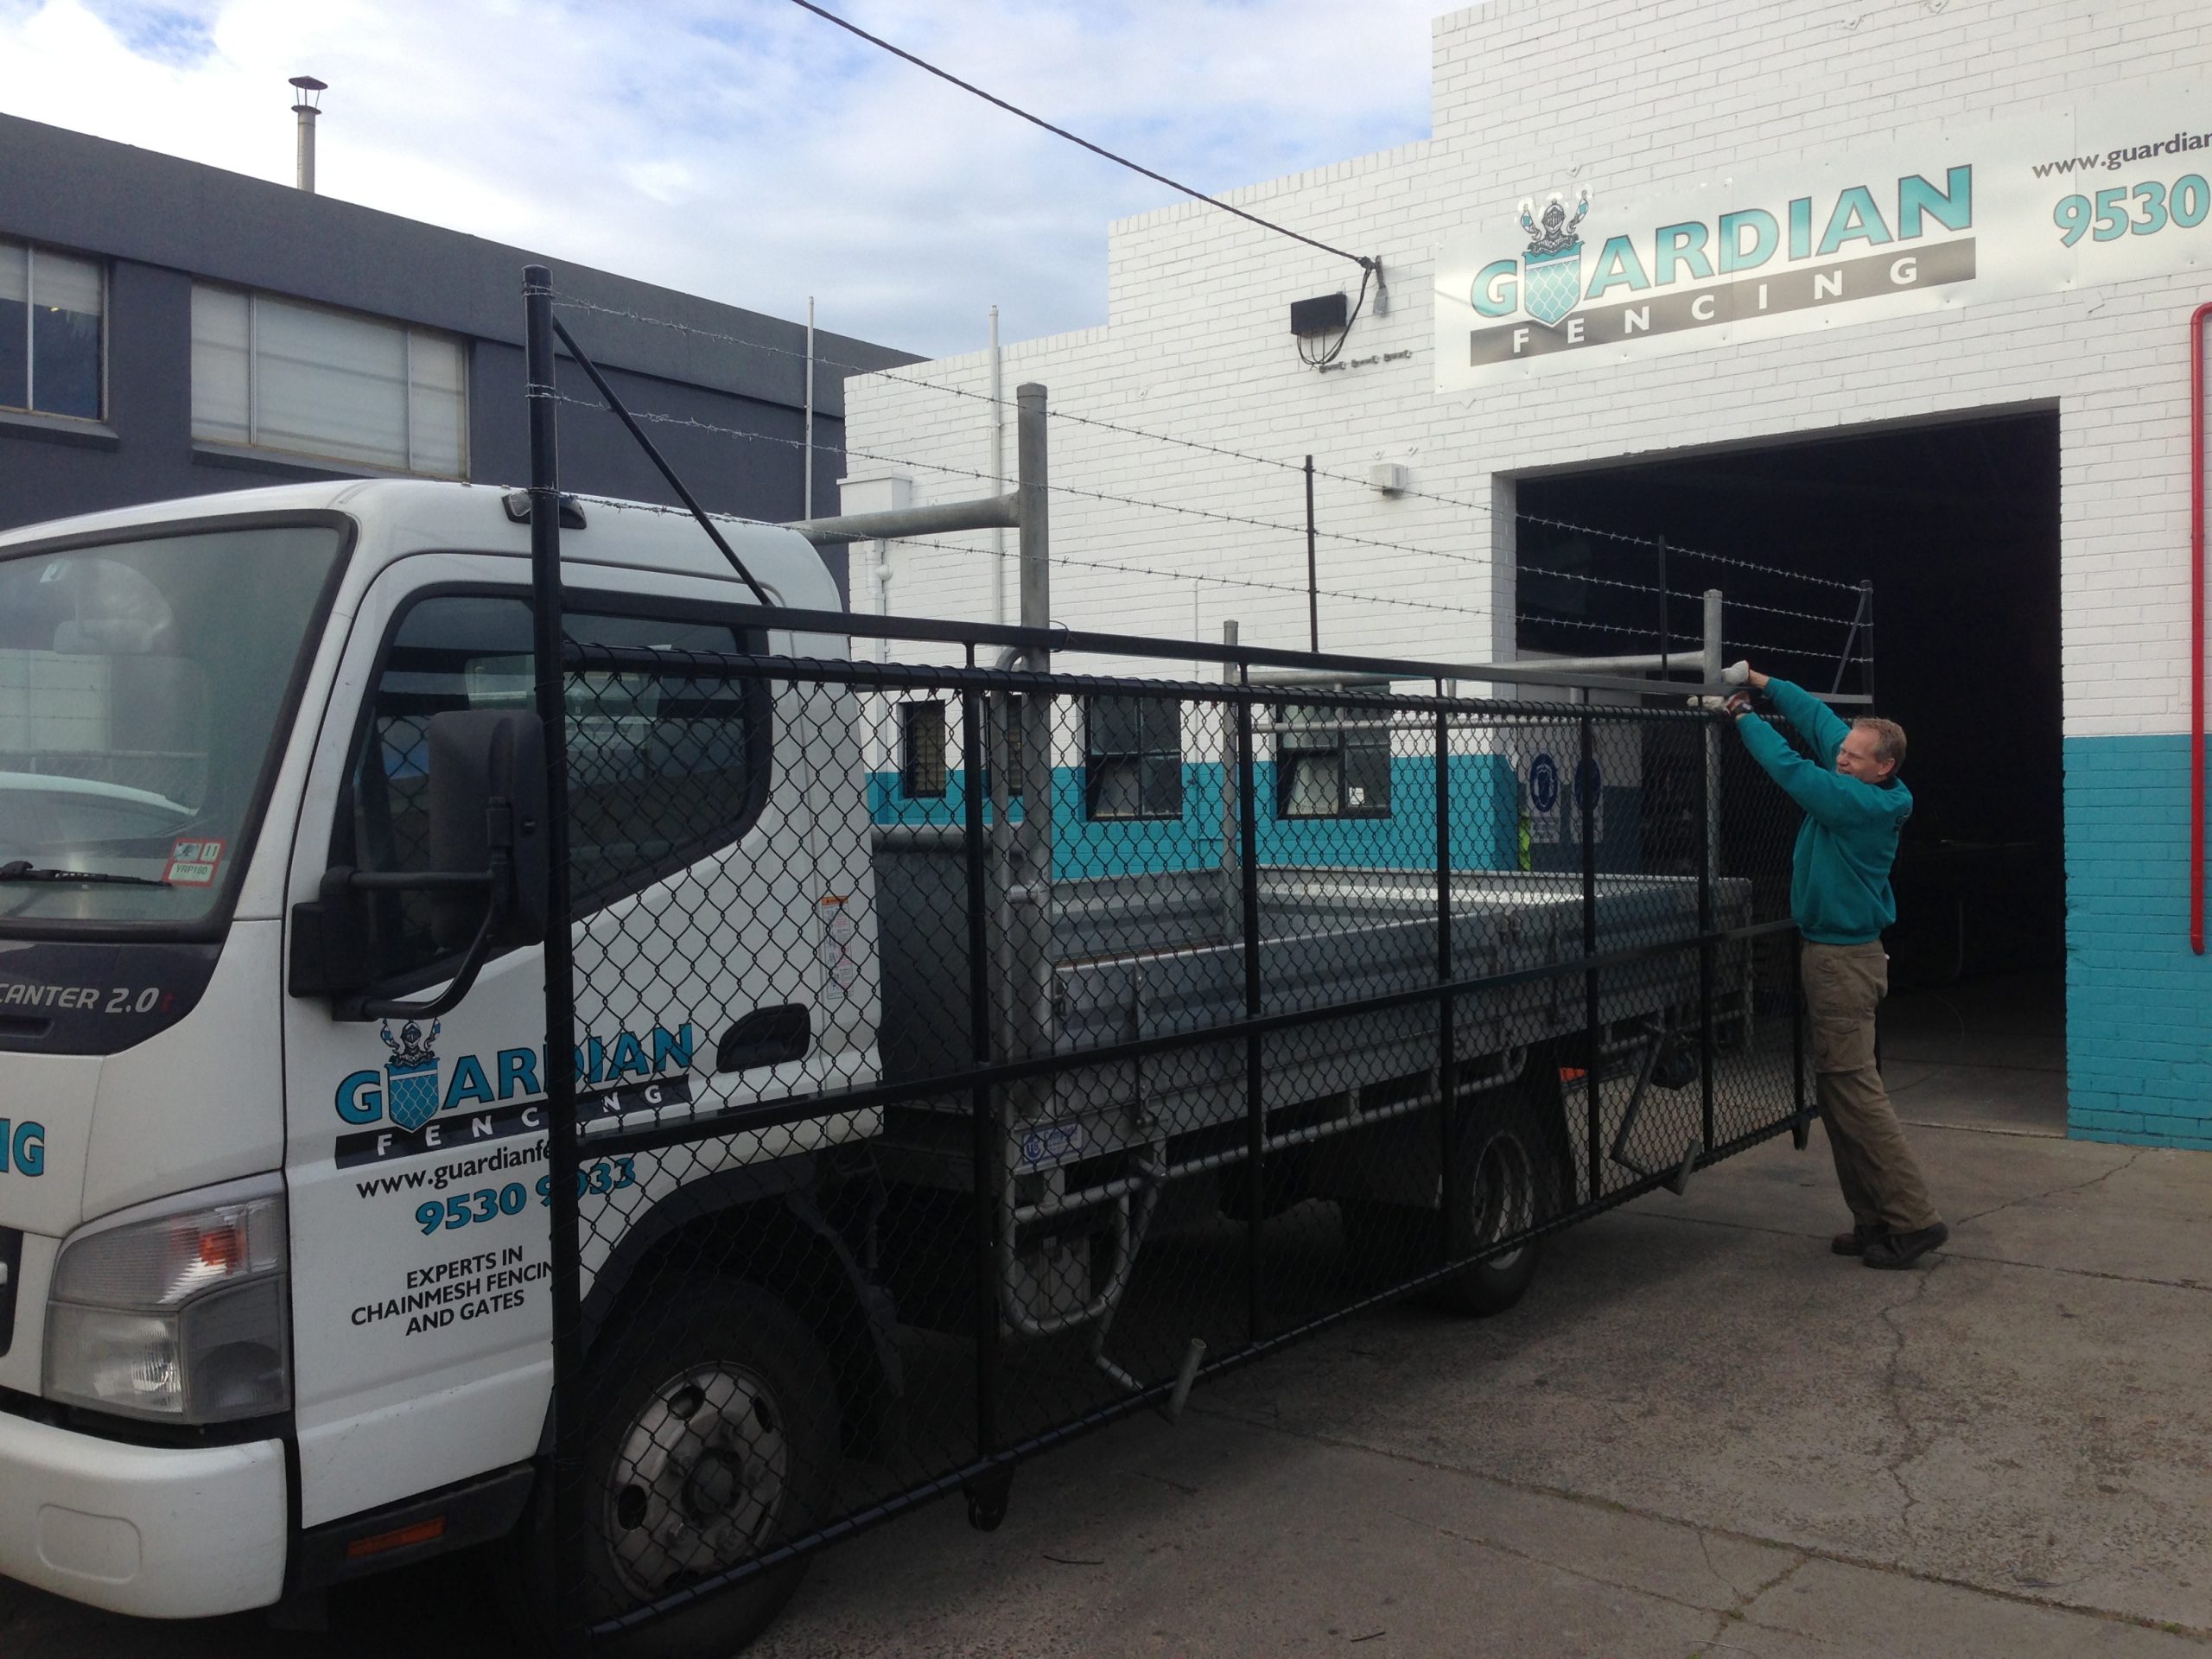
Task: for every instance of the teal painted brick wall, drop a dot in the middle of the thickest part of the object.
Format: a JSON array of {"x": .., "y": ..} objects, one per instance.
[
  {"x": 2138, "y": 1002},
  {"x": 1486, "y": 807}
]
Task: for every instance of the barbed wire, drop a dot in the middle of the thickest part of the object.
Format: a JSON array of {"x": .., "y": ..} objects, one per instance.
[
  {"x": 1200, "y": 578},
  {"x": 1680, "y": 593},
  {"x": 1198, "y": 446},
  {"x": 1694, "y": 641},
  {"x": 1077, "y": 490}
]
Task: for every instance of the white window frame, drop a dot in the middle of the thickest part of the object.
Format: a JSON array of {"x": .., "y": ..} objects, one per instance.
[{"x": 30, "y": 251}]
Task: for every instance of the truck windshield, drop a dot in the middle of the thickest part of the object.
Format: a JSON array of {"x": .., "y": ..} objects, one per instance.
[{"x": 141, "y": 686}]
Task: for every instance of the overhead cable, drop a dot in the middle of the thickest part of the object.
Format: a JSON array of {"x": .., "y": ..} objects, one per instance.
[{"x": 1364, "y": 263}]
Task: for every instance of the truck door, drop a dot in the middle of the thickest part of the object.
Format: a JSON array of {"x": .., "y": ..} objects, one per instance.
[{"x": 416, "y": 1146}]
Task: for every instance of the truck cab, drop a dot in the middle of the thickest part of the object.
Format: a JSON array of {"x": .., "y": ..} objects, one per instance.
[{"x": 273, "y": 1249}]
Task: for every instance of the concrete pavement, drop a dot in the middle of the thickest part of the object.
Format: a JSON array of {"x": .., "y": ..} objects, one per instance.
[{"x": 1700, "y": 1434}]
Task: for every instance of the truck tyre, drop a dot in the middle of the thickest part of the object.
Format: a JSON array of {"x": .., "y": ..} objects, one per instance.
[
  {"x": 1506, "y": 1179},
  {"x": 1512, "y": 1157},
  {"x": 713, "y": 1436}
]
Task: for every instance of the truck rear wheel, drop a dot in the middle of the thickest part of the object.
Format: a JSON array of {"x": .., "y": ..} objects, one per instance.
[
  {"x": 1505, "y": 1183},
  {"x": 713, "y": 1438},
  {"x": 1509, "y": 1161}
]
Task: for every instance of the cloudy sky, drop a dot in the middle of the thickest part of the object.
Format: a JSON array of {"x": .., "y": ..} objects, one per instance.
[{"x": 742, "y": 148}]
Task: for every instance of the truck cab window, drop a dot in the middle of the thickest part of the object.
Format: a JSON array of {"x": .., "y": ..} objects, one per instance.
[
  {"x": 660, "y": 769},
  {"x": 1331, "y": 763}
]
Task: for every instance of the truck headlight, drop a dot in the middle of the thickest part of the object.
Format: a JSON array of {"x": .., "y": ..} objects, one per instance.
[{"x": 178, "y": 1315}]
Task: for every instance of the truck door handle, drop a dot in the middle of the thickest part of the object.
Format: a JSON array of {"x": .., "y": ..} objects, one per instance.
[{"x": 766, "y": 1037}]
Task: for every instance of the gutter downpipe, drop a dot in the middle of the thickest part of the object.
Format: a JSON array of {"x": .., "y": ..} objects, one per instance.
[{"x": 2197, "y": 662}]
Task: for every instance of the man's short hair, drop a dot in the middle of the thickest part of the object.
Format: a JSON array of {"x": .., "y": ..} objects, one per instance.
[{"x": 1889, "y": 739}]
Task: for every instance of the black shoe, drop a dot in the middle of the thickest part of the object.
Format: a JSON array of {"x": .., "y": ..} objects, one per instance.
[
  {"x": 1862, "y": 1234},
  {"x": 1903, "y": 1250}
]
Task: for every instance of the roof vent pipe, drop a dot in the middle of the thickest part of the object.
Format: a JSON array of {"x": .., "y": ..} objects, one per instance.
[{"x": 306, "y": 109}]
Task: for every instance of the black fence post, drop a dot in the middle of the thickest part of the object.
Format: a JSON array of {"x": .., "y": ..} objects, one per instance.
[
  {"x": 1585, "y": 799},
  {"x": 1706, "y": 947},
  {"x": 1255, "y": 1106},
  {"x": 984, "y": 1144},
  {"x": 1801, "y": 1132},
  {"x": 1448, "y": 1062},
  {"x": 564, "y": 1276}
]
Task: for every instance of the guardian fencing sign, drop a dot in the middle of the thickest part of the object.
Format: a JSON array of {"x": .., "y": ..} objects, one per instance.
[{"x": 1943, "y": 217}]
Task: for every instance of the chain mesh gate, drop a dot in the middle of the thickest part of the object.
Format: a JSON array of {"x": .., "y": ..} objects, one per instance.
[
  {"x": 917, "y": 1130},
  {"x": 966, "y": 1057}
]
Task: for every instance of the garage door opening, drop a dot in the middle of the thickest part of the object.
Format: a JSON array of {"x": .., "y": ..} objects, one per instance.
[{"x": 1956, "y": 528}]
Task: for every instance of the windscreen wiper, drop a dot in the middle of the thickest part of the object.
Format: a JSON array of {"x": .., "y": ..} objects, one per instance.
[{"x": 23, "y": 870}]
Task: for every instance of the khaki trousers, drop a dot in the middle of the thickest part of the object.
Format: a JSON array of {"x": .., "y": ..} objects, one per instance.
[{"x": 1880, "y": 1178}]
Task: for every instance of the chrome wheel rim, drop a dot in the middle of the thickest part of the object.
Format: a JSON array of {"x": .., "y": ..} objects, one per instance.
[{"x": 698, "y": 1479}]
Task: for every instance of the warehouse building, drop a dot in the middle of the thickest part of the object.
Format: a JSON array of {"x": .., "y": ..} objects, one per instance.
[
  {"x": 168, "y": 329},
  {"x": 1879, "y": 317}
]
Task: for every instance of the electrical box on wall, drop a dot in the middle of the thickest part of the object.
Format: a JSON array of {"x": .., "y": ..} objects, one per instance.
[
  {"x": 1326, "y": 315},
  {"x": 1391, "y": 477}
]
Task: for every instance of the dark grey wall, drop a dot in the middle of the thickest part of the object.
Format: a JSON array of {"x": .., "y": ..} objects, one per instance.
[{"x": 160, "y": 222}]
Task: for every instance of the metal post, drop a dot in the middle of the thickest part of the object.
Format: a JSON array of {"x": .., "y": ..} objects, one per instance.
[
  {"x": 1866, "y": 610},
  {"x": 809, "y": 406},
  {"x": 1664, "y": 608},
  {"x": 1312, "y": 578},
  {"x": 1256, "y": 1130},
  {"x": 1032, "y": 880},
  {"x": 1801, "y": 1131},
  {"x": 998, "y": 469},
  {"x": 1232, "y": 884},
  {"x": 1708, "y": 870},
  {"x": 984, "y": 1137},
  {"x": 1586, "y": 797},
  {"x": 564, "y": 1279},
  {"x": 1447, "y": 1059}
]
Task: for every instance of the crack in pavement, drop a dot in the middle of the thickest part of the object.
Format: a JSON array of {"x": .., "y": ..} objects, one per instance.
[
  {"x": 1810, "y": 1552},
  {"x": 1511, "y": 1551},
  {"x": 2068, "y": 1186},
  {"x": 1913, "y": 1449},
  {"x": 1950, "y": 1252},
  {"x": 1740, "y": 1613}
]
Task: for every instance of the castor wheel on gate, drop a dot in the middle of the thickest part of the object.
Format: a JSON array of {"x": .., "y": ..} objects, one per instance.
[{"x": 987, "y": 1499}]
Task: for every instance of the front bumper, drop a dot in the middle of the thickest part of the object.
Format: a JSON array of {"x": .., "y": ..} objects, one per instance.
[{"x": 160, "y": 1533}]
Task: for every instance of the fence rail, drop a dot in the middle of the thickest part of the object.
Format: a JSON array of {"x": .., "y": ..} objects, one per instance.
[
  {"x": 969, "y": 1054},
  {"x": 918, "y": 1131}
]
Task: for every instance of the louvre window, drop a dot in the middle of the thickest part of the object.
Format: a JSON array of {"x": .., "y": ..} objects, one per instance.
[
  {"x": 277, "y": 374},
  {"x": 921, "y": 750}
]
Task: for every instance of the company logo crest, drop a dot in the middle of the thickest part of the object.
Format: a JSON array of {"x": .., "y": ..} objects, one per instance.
[
  {"x": 1551, "y": 266},
  {"x": 411, "y": 1074}
]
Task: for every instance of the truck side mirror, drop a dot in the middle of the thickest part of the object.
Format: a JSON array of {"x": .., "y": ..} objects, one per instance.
[
  {"x": 488, "y": 794},
  {"x": 487, "y": 880}
]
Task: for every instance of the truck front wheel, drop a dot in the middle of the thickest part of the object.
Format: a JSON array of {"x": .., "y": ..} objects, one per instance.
[{"x": 713, "y": 1437}]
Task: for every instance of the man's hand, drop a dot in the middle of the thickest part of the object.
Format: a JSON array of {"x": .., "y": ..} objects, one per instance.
[{"x": 1737, "y": 705}]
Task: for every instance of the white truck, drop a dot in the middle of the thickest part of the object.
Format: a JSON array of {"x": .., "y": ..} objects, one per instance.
[{"x": 274, "y": 1305}]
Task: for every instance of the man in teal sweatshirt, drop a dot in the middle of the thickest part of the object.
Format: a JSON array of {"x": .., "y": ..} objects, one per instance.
[{"x": 1855, "y": 804}]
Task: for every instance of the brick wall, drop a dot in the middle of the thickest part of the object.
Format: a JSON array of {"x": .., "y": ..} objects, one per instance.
[{"x": 1623, "y": 98}]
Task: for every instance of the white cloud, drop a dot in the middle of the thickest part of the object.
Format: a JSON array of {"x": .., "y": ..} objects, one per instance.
[{"x": 742, "y": 148}]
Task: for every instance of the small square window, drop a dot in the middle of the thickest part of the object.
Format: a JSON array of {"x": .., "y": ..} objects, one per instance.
[
  {"x": 1331, "y": 763},
  {"x": 1133, "y": 755}
]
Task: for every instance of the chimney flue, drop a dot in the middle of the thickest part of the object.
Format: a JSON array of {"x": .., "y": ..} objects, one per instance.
[{"x": 306, "y": 109}]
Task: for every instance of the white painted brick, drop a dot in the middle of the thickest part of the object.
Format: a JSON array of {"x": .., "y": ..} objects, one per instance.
[{"x": 1642, "y": 95}]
